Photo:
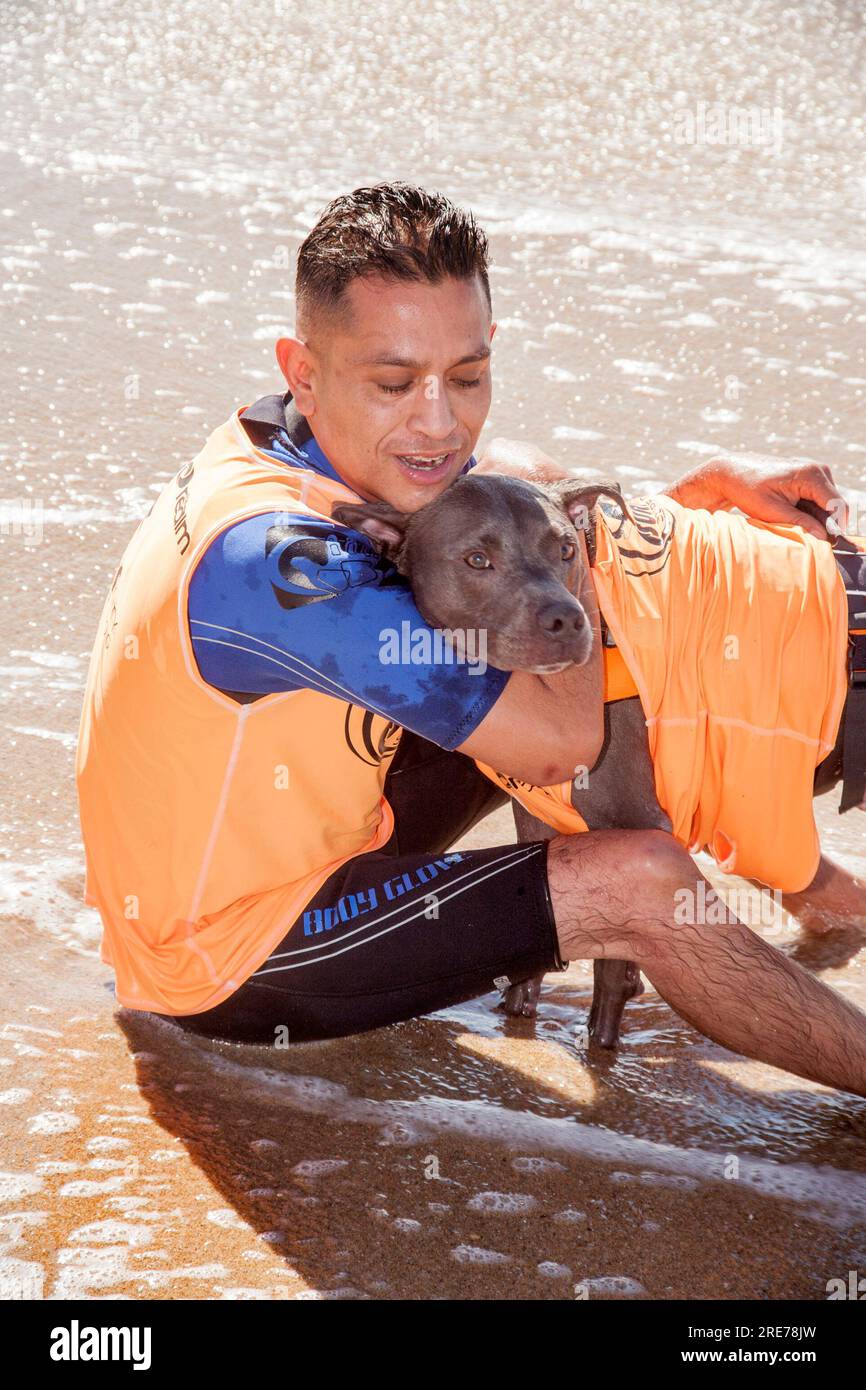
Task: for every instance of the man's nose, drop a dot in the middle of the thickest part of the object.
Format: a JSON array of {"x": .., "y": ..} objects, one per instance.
[{"x": 432, "y": 414}]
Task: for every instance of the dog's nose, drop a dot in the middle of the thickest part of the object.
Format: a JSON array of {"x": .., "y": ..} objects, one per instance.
[{"x": 561, "y": 619}]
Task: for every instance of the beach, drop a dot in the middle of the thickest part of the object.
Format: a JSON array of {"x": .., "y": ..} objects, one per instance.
[{"x": 673, "y": 280}]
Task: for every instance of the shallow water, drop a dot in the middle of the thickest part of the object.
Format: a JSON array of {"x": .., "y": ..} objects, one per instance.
[{"x": 662, "y": 294}]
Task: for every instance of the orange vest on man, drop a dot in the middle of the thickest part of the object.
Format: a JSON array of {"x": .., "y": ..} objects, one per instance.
[{"x": 211, "y": 816}]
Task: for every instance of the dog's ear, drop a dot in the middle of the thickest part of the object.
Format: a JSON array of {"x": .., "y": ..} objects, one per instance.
[
  {"x": 385, "y": 526},
  {"x": 578, "y": 497}
]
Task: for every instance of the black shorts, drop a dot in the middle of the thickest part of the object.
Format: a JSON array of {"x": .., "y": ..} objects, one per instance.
[{"x": 407, "y": 929}]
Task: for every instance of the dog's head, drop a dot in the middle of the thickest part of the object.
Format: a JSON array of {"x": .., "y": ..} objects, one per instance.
[{"x": 501, "y": 555}]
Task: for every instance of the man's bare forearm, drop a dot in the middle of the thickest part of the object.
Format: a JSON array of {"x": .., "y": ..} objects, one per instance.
[
  {"x": 572, "y": 702},
  {"x": 701, "y": 487},
  {"x": 575, "y": 697},
  {"x": 765, "y": 488}
]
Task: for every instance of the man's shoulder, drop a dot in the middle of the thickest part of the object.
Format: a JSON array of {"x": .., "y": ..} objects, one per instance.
[{"x": 296, "y": 556}]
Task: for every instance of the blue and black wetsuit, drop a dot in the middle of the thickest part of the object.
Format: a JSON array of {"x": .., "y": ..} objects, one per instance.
[{"x": 410, "y": 928}]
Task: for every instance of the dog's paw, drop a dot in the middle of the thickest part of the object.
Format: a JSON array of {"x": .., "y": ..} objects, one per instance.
[{"x": 520, "y": 1000}]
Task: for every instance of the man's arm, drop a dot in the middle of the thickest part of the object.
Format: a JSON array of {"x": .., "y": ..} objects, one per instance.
[
  {"x": 543, "y": 729},
  {"x": 283, "y": 602},
  {"x": 519, "y": 460},
  {"x": 759, "y": 485},
  {"x": 764, "y": 489}
]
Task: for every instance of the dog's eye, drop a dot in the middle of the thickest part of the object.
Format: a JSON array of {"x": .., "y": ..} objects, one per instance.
[
  {"x": 569, "y": 549},
  {"x": 478, "y": 560}
]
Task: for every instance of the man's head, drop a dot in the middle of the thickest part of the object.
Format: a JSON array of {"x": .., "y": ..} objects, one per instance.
[{"x": 391, "y": 362}]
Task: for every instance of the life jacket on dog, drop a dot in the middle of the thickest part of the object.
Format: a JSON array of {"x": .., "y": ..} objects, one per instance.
[{"x": 733, "y": 634}]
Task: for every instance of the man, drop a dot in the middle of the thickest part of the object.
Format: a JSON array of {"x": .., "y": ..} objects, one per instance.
[{"x": 267, "y": 804}]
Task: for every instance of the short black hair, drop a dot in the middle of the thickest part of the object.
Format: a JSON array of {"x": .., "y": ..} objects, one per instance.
[{"x": 395, "y": 230}]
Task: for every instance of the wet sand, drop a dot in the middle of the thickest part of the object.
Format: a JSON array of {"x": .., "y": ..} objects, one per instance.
[
  {"x": 658, "y": 302},
  {"x": 458, "y": 1156}
]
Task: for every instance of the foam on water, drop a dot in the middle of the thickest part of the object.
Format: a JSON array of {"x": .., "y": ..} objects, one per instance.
[
  {"x": 53, "y": 1122},
  {"x": 536, "y": 1163},
  {"x": 831, "y": 1194},
  {"x": 111, "y": 1232},
  {"x": 37, "y": 893},
  {"x": 502, "y": 1203},
  {"x": 319, "y": 1167},
  {"x": 14, "y": 1186},
  {"x": 477, "y": 1255},
  {"x": 16, "y": 1096},
  {"x": 619, "y": 1284}
]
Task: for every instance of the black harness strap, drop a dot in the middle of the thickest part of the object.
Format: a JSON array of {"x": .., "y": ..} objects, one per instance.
[{"x": 852, "y": 566}]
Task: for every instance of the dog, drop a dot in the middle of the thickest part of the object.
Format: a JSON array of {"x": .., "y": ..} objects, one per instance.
[{"x": 534, "y": 604}]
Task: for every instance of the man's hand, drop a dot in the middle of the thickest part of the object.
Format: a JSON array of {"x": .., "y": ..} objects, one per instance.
[
  {"x": 759, "y": 485},
  {"x": 764, "y": 489}
]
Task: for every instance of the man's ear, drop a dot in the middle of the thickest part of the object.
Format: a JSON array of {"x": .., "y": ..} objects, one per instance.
[
  {"x": 578, "y": 497},
  {"x": 385, "y": 526},
  {"x": 296, "y": 364}
]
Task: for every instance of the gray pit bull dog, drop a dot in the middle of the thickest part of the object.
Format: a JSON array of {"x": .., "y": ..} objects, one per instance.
[{"x": 532, "y": 603}]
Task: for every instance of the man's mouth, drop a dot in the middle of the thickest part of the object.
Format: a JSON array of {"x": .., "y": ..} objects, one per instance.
[{"x": 426, "y": 468}]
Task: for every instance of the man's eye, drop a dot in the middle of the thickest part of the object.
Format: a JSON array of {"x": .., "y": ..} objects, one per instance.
[
  {"x": 478, "y": 560},
  {"x": 466, "y": 383},
  {"x": 569, "y": 550},
  {"x": 394, "y": 390}
]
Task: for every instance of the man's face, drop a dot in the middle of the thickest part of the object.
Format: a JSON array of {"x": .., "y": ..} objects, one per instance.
[{"x": 397, "y": 391}]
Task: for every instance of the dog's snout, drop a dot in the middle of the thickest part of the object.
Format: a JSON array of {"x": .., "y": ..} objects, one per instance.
[{"x": 561, "y": 619}]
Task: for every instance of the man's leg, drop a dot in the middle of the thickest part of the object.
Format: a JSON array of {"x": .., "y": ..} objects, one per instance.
[
  {"x": 606, "y": 894},
  {"x": 613, "y": 896},
  {"x": 834, "y": 898},
  {"x": 391, "y": 936},
  {"x": 436, "y": 796}
]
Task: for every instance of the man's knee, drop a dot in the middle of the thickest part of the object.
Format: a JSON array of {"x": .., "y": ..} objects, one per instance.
[
  {"x": 618, "y": 890},
  {"x": 661, "y": 865},
  {"x": 647, "y": 861}
]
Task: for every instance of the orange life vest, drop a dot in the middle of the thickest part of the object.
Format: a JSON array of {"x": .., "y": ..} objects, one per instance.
[
  {"x": 735, "y": 635},
  {"x": 194, "y": 859}
]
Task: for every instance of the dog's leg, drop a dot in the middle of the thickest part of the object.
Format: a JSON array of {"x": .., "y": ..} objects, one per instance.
[
  {"x": 521, "y": 998},
  {"x": 616, "y": 981},
  {"x": 620, "y": 795}
]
